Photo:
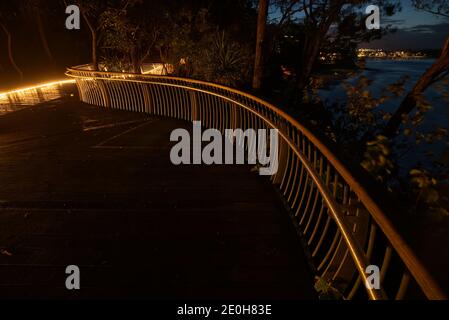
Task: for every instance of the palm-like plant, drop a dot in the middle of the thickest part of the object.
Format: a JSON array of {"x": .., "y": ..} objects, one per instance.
[{"x": 226, "y": 61}]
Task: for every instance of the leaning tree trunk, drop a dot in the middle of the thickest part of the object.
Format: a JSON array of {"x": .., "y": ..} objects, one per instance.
[
  {"x": 310, "y": 54},
  {"x": 314, "y": 41},
  {"x": 135, "y": 61},
  {"x": 42, "y": 35},
  {"x": 409, "y": 103},
  {"x": 94, "y": 50},
  {"x": 10, "y": 51},
  {"x": 163, "y": 60},
  {"x": 94, "y": 45},
  {"x": 261, "y": 27}
]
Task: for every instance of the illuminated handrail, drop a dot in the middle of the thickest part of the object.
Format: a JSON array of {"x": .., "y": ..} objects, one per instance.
[
  {"x": 342, "y": 228},
  {"x": 29, "y": 96}
]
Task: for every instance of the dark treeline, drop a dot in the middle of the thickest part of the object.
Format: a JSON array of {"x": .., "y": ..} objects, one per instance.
[
  {"x": 212, "y": 40},
  {"x": 274, "y": 48}
]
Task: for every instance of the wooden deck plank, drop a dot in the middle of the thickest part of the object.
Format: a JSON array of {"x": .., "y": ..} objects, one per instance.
[{"x": 138, "y": 226}]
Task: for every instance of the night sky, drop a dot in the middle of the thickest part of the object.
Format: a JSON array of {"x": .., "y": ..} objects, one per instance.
[{"x": 416, "y": 30}]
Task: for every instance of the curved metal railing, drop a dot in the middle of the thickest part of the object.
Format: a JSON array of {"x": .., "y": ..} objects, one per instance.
[{"x": 342, "y": 228}]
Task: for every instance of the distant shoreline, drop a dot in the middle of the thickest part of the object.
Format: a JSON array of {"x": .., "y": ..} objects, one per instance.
[{"x": 397, "y": 59}]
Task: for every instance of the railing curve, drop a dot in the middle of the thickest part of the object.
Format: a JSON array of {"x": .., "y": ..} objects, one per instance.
[{"x": 342, "y": 228}]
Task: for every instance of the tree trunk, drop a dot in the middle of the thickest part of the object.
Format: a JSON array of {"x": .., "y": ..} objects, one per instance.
[
  {"x": 311, "y": 52},
  {"x": 261, "y": 27},
  {"x": 42, "y": 35},
  {"x": 313, "y": 43},
  {"x": 135, "y": 61},
  {"x": 93, "y": 33},
  {"x": 410, "y": 101},
  {"x": 164, "y": 64},
  {"x": 10, "y": 52},
  {"x": 94, "y": 51}
]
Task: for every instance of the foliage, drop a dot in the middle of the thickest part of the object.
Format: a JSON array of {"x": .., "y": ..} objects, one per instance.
[
  {"x": 131, "y": 30},
  {"x": 197, "y": 48},
  {"x": 425, "y": 184},
  {"x": 337, "y": 26},
  {"x": 361, "y": 108},
  {"x": 326, "y": 291},
  {"x": 225, "y": 61},
  {"x": 377, "y": 160},
  {"x": 357, "y": 126},
  {"x": 199, "y": 39},
  {"x": 439, "y": 7},
  {"x": 183, "y": 38},
  {"x": 115, "y": 62}
]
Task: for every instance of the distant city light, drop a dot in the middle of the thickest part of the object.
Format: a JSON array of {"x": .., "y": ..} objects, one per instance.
[{"x": 384, "y": 54}]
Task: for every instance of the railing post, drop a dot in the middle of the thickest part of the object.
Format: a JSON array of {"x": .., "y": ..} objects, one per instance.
[
  {"x": 104, "y": 93},
  {"x": 147, "y": 99},
  {"x": 295, "y": 153},
  {"x": 194, "y": 105}
]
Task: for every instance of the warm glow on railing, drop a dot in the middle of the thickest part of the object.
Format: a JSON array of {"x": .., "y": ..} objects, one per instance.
[
  {"x": 338, "y": 219},
  {"x": 16, "y": 99}
]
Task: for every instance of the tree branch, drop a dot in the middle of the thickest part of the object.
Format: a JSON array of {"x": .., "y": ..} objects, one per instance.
[{"x": 10, "y": 52}]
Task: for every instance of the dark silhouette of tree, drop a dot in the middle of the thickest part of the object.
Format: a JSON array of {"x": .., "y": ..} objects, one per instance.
[
  {"x": 209, "y": 40},
  {"x": 132, "y": 29},
  {"x": 35, "y": 10},
  {"x": 320, "y": 15},
  {"x": 8, "y": 14},
  {"x": 91, "y": 11},
  {"x": 325, "y": 24},
  {"x": 436, "y": 72},
  {"x": 438, "y": 7},
  {"x": 260, "y": 41}
]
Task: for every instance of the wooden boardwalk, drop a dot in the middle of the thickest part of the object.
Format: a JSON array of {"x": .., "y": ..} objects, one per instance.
[{"x": 95, "y": 188}]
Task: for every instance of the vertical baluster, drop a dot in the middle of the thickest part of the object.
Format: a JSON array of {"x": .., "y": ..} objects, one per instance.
[{"x": 405, "y": 280}]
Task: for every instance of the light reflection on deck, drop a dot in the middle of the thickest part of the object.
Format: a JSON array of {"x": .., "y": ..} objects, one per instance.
[{"x": 20, "y": 98}]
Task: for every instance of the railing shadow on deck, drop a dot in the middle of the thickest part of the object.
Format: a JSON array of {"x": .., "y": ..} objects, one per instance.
[{"x": 343, "y": 229}]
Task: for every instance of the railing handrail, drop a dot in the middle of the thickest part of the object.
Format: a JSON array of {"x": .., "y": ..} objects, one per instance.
[{"x": 417, "y": 270}]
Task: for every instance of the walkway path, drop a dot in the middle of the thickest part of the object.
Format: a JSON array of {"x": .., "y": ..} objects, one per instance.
[{"x": 95, "y": 188}]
